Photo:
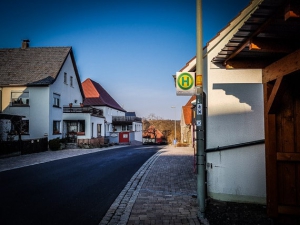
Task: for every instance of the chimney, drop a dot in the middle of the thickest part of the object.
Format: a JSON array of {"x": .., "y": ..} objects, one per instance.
[{"x": 25, "y": 44}]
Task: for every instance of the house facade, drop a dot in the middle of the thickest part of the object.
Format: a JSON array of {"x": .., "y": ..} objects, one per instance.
[
  {"x": 251, "y": 76},
  {"x": 265, "y": 42},
  {"x": 41, "y": 87},
  {"x": 36, "y": 83},
  {"x": 118, "y": 125},
  {"x": 234, "y": 123}
]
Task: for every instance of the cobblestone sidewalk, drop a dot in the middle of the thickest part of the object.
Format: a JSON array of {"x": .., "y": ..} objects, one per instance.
[{"x": 162, "y": 192}]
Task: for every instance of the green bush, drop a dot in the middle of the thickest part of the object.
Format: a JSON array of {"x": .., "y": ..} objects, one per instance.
[{"x": 54, "y": 144}]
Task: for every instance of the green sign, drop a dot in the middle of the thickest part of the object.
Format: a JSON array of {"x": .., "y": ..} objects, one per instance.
[{"x": 185, "y": 81}]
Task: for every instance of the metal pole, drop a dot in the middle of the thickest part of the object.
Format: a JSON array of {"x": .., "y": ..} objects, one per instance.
[
  {"x": 199, "y": 114},
  {"x": 174, "y": 107},
  {"x": 175, "y": 127}
]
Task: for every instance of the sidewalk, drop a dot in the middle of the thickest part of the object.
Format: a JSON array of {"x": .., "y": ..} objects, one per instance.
[
  {"x": 42, "y": 157},
  {"x": 162, "y": 192}
]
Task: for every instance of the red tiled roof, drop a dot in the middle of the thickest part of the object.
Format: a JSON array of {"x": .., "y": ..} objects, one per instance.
[
  {"x": 96, "y": 95},
  {"x": 187, "y": 111},
  {"x": 150, "y": 132}
]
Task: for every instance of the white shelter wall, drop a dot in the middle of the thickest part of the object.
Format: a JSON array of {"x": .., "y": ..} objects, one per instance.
[{"x": 237, "y": 175}]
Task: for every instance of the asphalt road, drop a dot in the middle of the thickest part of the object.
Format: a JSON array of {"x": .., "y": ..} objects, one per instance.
[{"x": 77, "y": 190}]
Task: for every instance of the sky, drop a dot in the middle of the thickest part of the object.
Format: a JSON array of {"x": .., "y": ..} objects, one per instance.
[{"x": 131, "y": 47}]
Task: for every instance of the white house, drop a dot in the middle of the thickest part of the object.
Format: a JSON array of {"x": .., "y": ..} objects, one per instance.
[
  {"x": 234, "y": 135},
  {"x": 42, "y": 87},
  {"x": 118, "y": 125},
  {"x": 36, "y": 83}
]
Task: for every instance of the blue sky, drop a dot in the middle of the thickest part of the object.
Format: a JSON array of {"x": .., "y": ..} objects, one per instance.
[{"x": 131, "y": 47}]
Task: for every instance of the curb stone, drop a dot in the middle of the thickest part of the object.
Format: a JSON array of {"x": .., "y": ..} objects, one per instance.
[{"x": 120, "y": 210}]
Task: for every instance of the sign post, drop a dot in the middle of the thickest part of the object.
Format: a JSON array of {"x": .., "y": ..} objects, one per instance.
[
  {"x": 199, "y": 114},
  {"x": 189, "y": 83}
]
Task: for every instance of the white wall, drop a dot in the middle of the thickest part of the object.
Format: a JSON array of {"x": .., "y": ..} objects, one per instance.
[
  {"x": 39, "y": 115},
  {"x": 237, "y": 175},
  {"x": 235, "y": 107},
  {"x": 108, "y": 113},
  {"x": 68, "y": 94},
  {"x": 234, "y": 116},
  {"x": 37, "y": 112},
  {"x": 138, "y": 131}
]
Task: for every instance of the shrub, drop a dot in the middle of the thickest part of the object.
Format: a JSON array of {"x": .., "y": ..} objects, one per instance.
[
  {"x": 54, "y": 144},
  {"x": 63, "y": 140}
]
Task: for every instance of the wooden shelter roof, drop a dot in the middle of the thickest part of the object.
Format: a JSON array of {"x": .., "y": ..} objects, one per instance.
[{"x": 271, "y": 32}]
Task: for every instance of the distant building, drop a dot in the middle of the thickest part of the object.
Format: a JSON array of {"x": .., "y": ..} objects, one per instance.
[
  {"x": 153, "y": 136},
  {"x": 186, "y": 122},
  {"x": 118, "y": 126}
]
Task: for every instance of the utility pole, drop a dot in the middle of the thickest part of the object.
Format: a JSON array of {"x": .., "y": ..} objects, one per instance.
[{"x": 199, "y": 113}]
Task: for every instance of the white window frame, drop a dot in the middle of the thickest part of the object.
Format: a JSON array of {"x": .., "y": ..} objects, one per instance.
[{"x": 56, "y": 100}]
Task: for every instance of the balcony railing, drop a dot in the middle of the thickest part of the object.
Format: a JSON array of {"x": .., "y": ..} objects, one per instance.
[
  {"x": 126, "y": 119},
  {"x": 85, "y": 109}
]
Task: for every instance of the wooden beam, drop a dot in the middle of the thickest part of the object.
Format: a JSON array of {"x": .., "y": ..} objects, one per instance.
[
  {"x": 292, "y": 10},
  {"x": 271, "y": 162},
  {"x": 246, "y": 64},
  {"x": 267, "y": 45},
  {"x": 295, "y": 157},
  {"x": 290, "y": 210},
  {"x": 247, "y": 41},
  {"x": 271, "y": 166},
  {"x": 282, "y": 67},
  {"x": 271, "y": 103}
]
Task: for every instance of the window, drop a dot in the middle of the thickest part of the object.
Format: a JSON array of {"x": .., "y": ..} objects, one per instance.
[
  {"x": 76, "y": 126},
  {"x": 124, "y": 127},
  {"x": 99, "y": 130},
  {"x": 56, "y": 127},
  {"x": 65, "y": 78},
  {"x": 23, "y": 126},
  {"x": 71, "y": 81},
  {"x": 56, "y": 100},
  {"x": 19, "y": 98}
]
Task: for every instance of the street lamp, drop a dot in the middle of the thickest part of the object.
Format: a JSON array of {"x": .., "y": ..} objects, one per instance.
[{"x": 174, "y": 107}]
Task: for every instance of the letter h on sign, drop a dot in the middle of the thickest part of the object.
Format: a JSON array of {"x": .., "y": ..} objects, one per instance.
[{"x": 186, "y": 80}]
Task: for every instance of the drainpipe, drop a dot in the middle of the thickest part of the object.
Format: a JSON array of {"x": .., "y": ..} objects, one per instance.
[{"x": 199, "y": 114}]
